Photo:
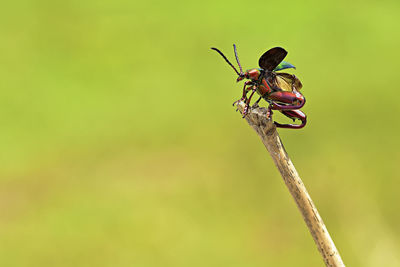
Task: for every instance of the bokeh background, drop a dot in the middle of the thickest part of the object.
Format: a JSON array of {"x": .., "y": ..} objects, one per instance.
[{"x": 119, "y": 145}]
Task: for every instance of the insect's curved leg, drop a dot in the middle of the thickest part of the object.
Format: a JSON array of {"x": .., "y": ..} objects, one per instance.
[
  {"x": 255, "y": 105},
  {"x": 245, "y": 91},
  {"x": 292, "y": 100},
  {"x": 246, "y": 108},
  {"x": 293, "y": 114},
  {"x": 269, "y": 111}
]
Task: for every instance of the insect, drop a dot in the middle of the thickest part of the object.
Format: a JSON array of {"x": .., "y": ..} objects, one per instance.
[{"x": 280, "y": 90}]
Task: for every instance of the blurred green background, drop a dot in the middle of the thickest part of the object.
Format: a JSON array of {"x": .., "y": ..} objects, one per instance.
[{"x": 120, "y": 147}]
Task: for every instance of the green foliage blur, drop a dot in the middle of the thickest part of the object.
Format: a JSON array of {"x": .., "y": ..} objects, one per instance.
[{"x": 119, "y": 145}]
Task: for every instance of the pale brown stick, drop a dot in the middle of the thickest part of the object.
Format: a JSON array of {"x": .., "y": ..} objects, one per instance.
[{"x": 265, "y": 128}]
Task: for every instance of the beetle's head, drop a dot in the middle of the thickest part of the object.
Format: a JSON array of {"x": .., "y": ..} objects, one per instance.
[
  {"x": 252, "y": 74},
  {"x": 241, "y": 77}
]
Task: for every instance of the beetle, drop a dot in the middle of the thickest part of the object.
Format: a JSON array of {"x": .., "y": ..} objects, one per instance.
[{"x": 280, "y": 90}]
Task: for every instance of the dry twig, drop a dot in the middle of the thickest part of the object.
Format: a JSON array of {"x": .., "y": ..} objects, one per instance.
[{"x": 266, "y": 129}]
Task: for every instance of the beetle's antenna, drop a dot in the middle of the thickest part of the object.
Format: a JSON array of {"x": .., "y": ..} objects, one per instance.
[
  {"x": 237, "y": 58},
  {"x": 226, "y": 60}
]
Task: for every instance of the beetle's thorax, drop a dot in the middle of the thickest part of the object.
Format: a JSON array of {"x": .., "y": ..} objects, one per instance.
[{"x": 253, "y": 74}]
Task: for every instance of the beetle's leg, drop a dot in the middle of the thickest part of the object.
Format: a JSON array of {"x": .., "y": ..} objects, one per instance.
[
  {"x": 246, "y": 108},
  {"x": 293, "y": 114},
  {"x": 294, "y": 100},
  {"x": 245, "y": 90},
  {"x": 269, "y": 111},
  {"x": 255, "y": 105}
]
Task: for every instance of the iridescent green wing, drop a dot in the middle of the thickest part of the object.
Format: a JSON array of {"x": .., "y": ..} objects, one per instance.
[
  {"x": 287, "y": 82},
  {"x": 284, "y": 65}
]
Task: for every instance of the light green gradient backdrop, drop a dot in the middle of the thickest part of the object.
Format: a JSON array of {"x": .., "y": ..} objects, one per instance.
[{"x": 120, "y": 147}]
